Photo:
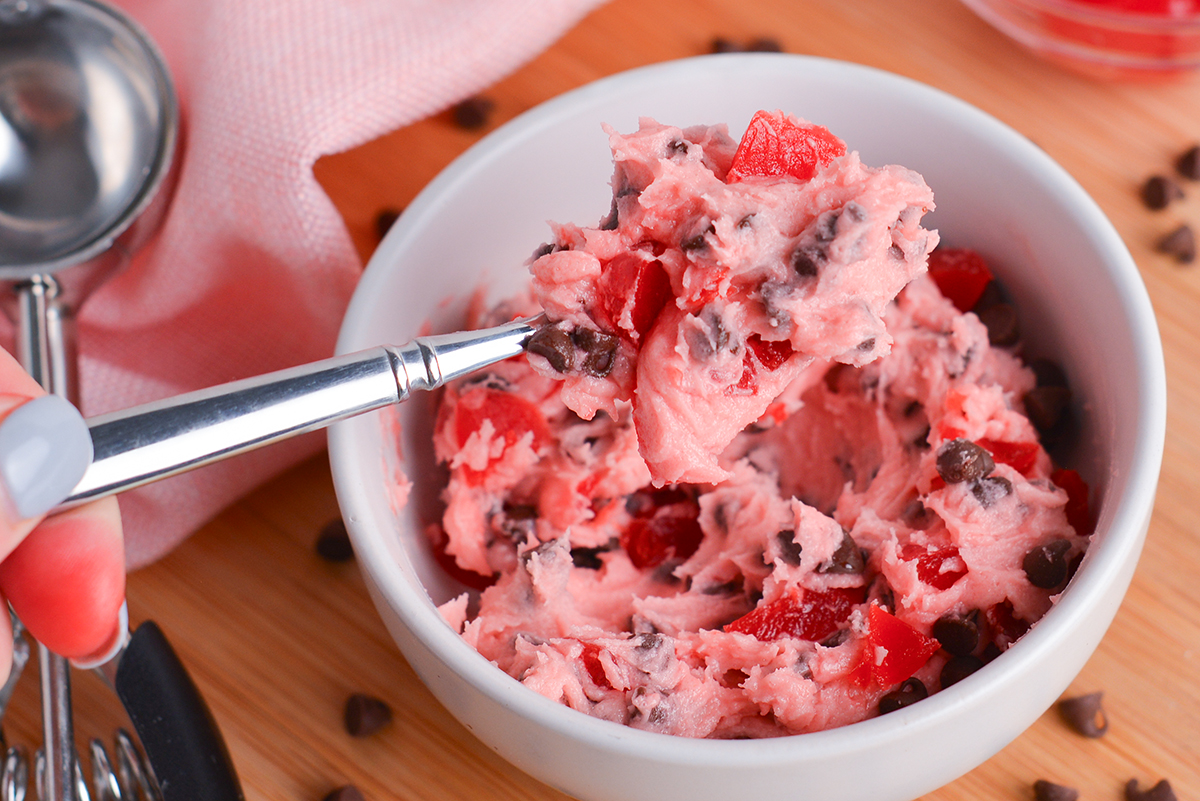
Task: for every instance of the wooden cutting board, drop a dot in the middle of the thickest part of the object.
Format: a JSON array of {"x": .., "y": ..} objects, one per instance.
[{"x": 277, "y": 637}]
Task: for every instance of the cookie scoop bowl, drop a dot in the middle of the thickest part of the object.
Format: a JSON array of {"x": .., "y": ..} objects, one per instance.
[{"x": 1081, "y": 301}]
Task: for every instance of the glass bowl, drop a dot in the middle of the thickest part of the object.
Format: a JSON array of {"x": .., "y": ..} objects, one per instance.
[{"x": 1104, "y": 38}]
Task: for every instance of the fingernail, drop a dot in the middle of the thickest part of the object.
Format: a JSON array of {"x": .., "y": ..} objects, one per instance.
[
  {"x": 45, "y": 448},
  {"x": 110, "y": 648}
]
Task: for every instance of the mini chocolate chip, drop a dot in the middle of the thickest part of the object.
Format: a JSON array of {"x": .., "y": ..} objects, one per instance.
[
  {"x": 1158, "y": 191},
  {"x": 587, "y": 558},
  {"x": 345, "y": 793},
  {"x": 962, "y": 460},
  {"x": 807, "y": 259},
  {"x": 1048, "y": 791},
  {"x": 473, "y": 113},
  {"x": 721, "y": 44},
  {"x": 907, "y": 694},
  {"x": 676, "y": 147},
  {"x": 1085, "y": 714},
  {"x": 867, "y": 344},
  {"x": 1046, "y": 565},
  {"x": 958, "y": 668},
  {"x": 385, "y": 219},
  {"x": 746, "y": 222},
  {"x": 958, "y": 635},
  {"x": 990, "y": 489},
  {"x": 1002, "y": 325},
  {"x": 1045, "y": 406},
  {"x": 333, "y": 543},
  {"x": 554, "y": 345},
  {"x": 1188, "y": 164},
  {"x": 1180, "y": 244},
  {"x": 1159, "y": 792},
  {"x": 789, "y": 549},
  {"x": 600, "y": 352},
  {"x": 364, "y": 715},
  {"x": 847, "y": 559},
  {"x": 544, "y": 249}
]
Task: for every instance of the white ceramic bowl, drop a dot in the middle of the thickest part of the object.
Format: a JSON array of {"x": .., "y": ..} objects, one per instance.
[{"x": 1081, "y": 300}]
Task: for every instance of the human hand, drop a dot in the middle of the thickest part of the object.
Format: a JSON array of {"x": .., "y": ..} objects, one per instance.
[{"x": 63, "y": 575}]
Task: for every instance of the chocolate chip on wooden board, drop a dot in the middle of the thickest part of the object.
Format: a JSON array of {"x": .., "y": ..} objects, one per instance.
[
  {"x": 1188, "y": 163},
  {"x": 1159, "y": 191},
  {"x": 473, "y": 113},
  {"x": 333, "y": 543},
  {"x": 385, "y": 219},
  {"x": 1085, "y": 714},
  {"x": 760, "y": 44},
  {"x": 347, "y": 792},
  {"x": 1049, "y": 791},
  {"x": 1159, "y": 792},
  {"x": 364, "y": 715},
  {"x": 1180, "y": 244}
]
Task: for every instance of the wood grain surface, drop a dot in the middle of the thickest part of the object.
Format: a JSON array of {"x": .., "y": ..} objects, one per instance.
[{"x": 277, "y": 638}]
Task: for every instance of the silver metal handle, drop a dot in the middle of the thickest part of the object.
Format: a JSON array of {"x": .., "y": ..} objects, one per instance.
[{"x": 146, "y": 443}]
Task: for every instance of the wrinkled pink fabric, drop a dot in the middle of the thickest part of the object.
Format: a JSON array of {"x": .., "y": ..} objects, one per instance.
[{"x": 253, "y": 266}]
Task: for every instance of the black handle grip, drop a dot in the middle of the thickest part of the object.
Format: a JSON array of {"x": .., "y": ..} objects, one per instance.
[{"x": 176, "y": 728}]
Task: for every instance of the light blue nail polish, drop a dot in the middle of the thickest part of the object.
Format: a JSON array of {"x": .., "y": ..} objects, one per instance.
[{"x": 45, "y": 448}]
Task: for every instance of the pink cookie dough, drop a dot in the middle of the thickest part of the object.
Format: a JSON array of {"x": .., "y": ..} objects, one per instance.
[
  {"x": 873, "y": 519},
  {"x": 718, "y": 285}
]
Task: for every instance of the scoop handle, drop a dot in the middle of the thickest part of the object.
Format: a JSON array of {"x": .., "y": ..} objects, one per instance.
[{"x": 146, "y": 443}]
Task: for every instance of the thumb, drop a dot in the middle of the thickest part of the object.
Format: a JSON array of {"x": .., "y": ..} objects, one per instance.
[{"x": 45, "y": 448}]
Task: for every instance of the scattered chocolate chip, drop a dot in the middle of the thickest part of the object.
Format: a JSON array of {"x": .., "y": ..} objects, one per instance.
[
  {"x": 958, "y": 668},
  {"x": 600, "y": 351},
  {"x": 1188, "y": 164},
  {"x": 867, "y": 344},
  {"x": 807, "y": 260},
  {"x": 1159, "y": 792},
  {"x": 345, "y": 793},
  {"x": 760, "y": 44},
  {"x": 990, "y": 489},
  {"x": 473, "y": 113},
  {"x": 789, "y": 549},
  {"x": 1158, "y": 191},
  {"x": 847, "y": 558},
  {"x": 961, "y": 460},
  {"x": 385, "y": 219},
  {"x": 959, "y": 635},
  {"x": 1180, "y": 244},
  {"x": 676, "y": 147},
  {"x": 1001, "y": 323},
  {"x": 333, "y": 543},
  {"x": 544, "y": 249},
  {"x": 1085, "y": 714},
  {"x": 1048, "y": 791},
  {"x": 722, "y": 45},
  {"x": 907, "y": 694},
  {"x": 364, "y": 715},
  {"x": 1044, "y": 406},
  {"x": 554, "y": 345},
  {"x": 1046, "y": 565}
]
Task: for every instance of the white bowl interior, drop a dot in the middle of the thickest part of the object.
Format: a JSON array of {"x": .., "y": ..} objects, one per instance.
[{"x": 1080, "y": 299}]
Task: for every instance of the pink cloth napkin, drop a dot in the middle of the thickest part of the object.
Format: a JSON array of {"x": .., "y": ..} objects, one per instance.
[{"x": 253, "y": 266}]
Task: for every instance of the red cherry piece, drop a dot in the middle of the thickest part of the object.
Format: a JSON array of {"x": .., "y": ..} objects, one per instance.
[
  {"x": 633, "y": 278},
  {"x": 777, "y": 144},
  {"x": 1078, "y": 513},
  {"x": 1020, "y": 456},
  {"x": 671, "y": 532},
  {"x": 961, "y": 274},
  {"x": 895, "y": 650},
  {"x": 931, "y": 565},
  {"x": 591, "y": 662},
  {"x": 770, "y": 353},
  {"x": 813, "y": 616}
]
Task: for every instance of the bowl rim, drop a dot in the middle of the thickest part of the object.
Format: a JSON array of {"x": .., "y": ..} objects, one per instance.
[
  {"x": 1083, "y": 11},
  {"x": 1127, "y": 517}
]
